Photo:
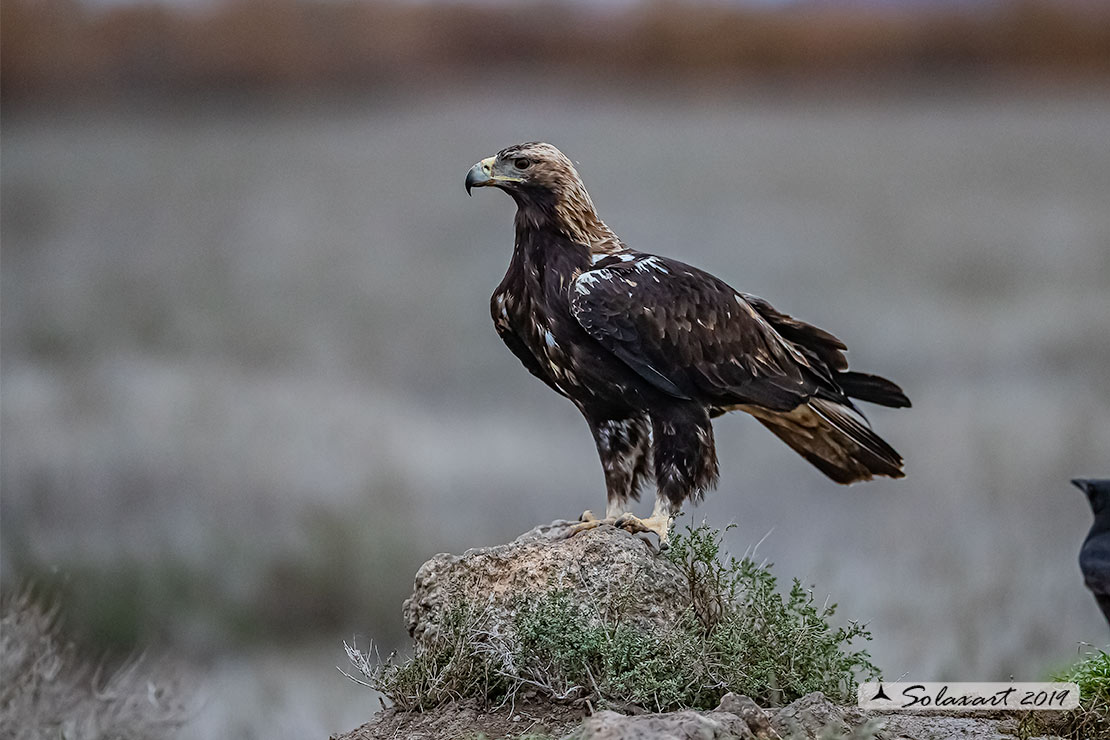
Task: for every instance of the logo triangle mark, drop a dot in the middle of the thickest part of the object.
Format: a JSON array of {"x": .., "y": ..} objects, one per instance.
[{"x": 881, "y": 695}]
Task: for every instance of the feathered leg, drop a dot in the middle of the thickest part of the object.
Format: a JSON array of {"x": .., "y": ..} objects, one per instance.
[
  {"x": 624, "y": 446},
  {"x": 685, "y": 466}
]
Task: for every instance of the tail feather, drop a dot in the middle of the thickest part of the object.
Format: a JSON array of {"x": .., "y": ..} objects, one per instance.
[
  {"x": 835, "y": 438},
  {"x": 873, "y": 389}
]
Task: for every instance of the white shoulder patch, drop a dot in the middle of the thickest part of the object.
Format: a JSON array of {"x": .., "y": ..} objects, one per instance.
[
  {"x": 587, "y": 280},
  {"x": 651, "y": 263}
]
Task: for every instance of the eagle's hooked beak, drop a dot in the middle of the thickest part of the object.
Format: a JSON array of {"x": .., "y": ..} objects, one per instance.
[
  {"x": 480, "y": 175},
  {"x": 486, "y": 173}
]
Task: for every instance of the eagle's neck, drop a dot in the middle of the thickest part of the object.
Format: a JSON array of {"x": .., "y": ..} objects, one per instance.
[{"x": 568, "y": 212}]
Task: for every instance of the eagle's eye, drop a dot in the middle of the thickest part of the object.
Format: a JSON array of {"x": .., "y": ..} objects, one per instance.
[{"x": 522, "y": 163}]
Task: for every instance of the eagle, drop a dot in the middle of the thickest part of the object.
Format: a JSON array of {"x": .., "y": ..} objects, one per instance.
[{"x": 650, "y": 350}]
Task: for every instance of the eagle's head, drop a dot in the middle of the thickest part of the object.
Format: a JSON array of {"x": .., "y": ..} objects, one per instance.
[
  {"x": 547, "y": 190},
  {"x": 534, "y": 170}
]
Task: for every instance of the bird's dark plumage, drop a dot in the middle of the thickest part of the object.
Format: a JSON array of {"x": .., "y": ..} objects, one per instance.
[
  {"x": 1094, "y": 556},
  {"x": 650, "y": 349}
]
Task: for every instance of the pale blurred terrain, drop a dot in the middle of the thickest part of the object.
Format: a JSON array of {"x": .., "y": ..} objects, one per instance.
[{"x": 250, "y": 382}]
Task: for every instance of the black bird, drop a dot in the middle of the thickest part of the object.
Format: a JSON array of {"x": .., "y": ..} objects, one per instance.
[
  {"x": 650, "y": 349},
  {"x": 1094, "y": 556}
]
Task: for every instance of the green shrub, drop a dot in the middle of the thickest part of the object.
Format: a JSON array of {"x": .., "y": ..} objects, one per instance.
[
  {"x": 1092, "y": 718},
  {"x": 740, "y": 635},
  {"x": 456, "y": 665},
  {"x": 759, "y": 644}
]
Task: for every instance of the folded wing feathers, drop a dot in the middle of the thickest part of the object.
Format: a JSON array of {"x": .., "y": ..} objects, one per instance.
[
  {"x": 873, "y": 451},
  {"x": 687, "y": 332},
  {"x": 692, "y": 336},
  {"x": 828, "y": 350}
]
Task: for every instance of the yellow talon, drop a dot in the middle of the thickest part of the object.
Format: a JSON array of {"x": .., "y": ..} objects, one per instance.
[
  {"x": 660, "y": 524},
  {"x": 587, "y": 522}
]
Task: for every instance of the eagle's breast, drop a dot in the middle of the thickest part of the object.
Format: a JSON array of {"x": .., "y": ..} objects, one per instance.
[{"x": 532, "y": 307}]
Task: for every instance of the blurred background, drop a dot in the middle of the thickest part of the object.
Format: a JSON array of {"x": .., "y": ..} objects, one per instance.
[{"x": 249, "y": 380}]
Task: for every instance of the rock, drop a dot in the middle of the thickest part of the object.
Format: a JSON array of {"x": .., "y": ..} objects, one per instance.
[
  {"x": 605, "y": 565},
  {"x": 611, "y": 571},
  {"x": 736, "y": 718},
  {"x": 667, "y": 726},
  {"x": 809, "y": 716},
  {"x": 947, "y": 726},
  {"x": 757, "y": 720}
]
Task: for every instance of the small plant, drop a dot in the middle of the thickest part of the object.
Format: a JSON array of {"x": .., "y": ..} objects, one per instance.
[
  {"x": 456, "y": 665},
  {"x": 772, "y": 649},
  {"x": 739, "y": 634},
  {"x": 1091, "y": 718},
  {"x": 564, "y": 650}
]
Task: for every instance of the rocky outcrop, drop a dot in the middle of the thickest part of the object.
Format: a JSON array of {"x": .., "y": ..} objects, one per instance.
[
  {"x": 737, "y": 718},
  {"x": 613, "y": 572},
  {"x": 607, "y": 565}
]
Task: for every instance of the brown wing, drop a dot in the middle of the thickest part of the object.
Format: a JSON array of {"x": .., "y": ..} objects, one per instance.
[
  {"x": 818, "y": 343},
  {"x": 826, "y": 352},
  {"x": 690, "y": 334}
]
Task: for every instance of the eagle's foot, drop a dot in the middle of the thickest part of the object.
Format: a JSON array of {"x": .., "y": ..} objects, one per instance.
[
  {"x": 586, "y": 522},
  {"x": 659, "y": 524}
]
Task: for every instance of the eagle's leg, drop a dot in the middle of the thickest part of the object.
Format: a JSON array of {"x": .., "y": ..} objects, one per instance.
[
  {"x": 685, "y": 466},
  {"x": 624, "y": 446}
]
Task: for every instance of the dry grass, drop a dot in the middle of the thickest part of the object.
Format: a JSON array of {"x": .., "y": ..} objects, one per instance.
[{"x": 50, "y": 691}]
